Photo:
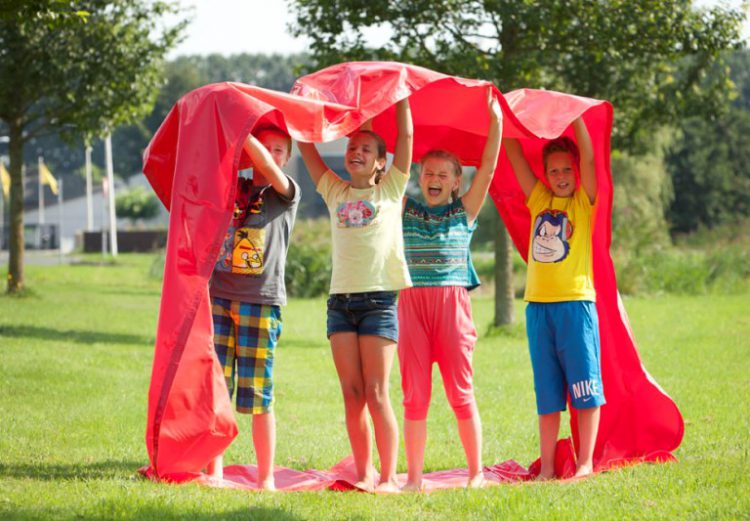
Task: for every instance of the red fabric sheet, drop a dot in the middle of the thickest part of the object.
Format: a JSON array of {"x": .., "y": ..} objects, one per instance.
[{"x": 192, "y": 164}]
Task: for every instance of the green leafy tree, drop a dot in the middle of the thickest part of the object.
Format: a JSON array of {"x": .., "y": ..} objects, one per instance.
[
  {"x": 78, "y": 68},
  {"x": 186, "y": 73},
  {"x": 650, "y": 58},
  {"x": 710, "y": 177},
  {"x": 708, "y": 163},
  {"x": 136, "y": 204}
]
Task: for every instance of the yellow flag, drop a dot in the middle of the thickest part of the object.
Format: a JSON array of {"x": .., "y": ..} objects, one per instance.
[
  {"x": 45, "y": 177},
  {"x": 5, "y": 179}
]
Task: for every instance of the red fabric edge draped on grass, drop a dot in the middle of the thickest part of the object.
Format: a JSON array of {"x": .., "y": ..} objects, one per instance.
[{"x": 192, "y": 164}]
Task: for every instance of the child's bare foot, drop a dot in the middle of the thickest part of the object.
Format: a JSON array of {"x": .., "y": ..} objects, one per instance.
[
  {"x": 583, "y": 471},
  {"x": 476, "y": 481},
  {"x": 545, "y": 475},
  {"x": 367, "y": 483},
  {"x": 388, "y": 487},
  {"x": 412, "y": 486},
  {"x": 267, "y": 485}
]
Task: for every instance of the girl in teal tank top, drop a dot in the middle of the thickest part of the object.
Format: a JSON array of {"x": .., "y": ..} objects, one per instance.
[{"x": 435, "y": 313}]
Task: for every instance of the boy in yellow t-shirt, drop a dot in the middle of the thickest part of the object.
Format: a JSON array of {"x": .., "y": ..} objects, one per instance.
[{"x": 561, "y": 319}]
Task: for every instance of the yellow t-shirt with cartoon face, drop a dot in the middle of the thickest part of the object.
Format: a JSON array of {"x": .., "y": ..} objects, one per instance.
[{"x": 560, "y": 260}]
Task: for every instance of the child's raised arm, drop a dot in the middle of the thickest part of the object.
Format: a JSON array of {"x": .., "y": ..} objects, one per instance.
[
  {"x": 405, "y": 139},
  {"x": 588, "y": 165},
  {"x": 474, "y": 197},
  {"x": 262, "y": 160},
  {"x": 524, "y": 175},
  {"x": 315, "y": 165}
]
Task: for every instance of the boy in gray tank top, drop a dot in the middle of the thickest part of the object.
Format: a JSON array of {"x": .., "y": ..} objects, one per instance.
[{"x": 247, "y": 289}]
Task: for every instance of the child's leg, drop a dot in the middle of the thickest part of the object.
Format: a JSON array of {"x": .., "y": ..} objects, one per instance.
[
  {"x": 258, "y": 334},
  {"x": 455, "y": 337},
  {"x": 215, "y": 467},
  {"x": 588, "y": 426},
  {"x": 264, "y": 443},
  {"x": 549, "y": 426},
  {"x": 415, "y": 361},
  {"x": 415, "y": 439},
  {"x": 549, "y": 381},
  {"x": 470, "y": 432},
  {"x": 225, "y": 337},
  {"x": 345, "y": 349},
  {"x": 578, "y": 338},
  {"x": 377, "y": 355}
]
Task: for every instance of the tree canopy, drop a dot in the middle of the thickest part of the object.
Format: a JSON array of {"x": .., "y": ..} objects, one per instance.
[
  {"x": 75, "y": 68},
  {"x": 650, "y": 58}
]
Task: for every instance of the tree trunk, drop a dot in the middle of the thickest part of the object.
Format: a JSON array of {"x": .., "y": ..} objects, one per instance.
[
  {"x": 503, "y": 275},
  {"x": 16, "y": 245}
]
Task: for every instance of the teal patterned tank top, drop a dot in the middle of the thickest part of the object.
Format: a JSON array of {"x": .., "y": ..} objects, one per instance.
[{"x": 436, "y": 244}]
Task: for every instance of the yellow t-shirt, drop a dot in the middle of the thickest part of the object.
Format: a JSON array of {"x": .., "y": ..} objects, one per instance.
[
  {"x": 368, "y": 245},
  {"x": 560, "y": 260}
]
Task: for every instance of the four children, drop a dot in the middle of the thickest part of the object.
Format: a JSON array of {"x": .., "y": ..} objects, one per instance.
[{"x": 373, "y": 259}]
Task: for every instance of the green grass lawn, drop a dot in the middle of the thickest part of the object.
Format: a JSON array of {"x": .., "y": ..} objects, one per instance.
[{"x": 76, "y": 360}]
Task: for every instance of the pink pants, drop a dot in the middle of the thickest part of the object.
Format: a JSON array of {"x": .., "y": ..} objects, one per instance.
[{"x": 435, "y": 325}]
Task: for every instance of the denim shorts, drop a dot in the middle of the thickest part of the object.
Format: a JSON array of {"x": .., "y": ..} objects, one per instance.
[{"x": 374, "y": 313}]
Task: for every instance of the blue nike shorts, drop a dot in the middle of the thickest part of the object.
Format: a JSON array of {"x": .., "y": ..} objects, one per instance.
[{"x": 565, "y": 354}]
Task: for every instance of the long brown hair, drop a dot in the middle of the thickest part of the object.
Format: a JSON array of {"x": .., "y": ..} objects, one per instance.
[
  {"x": 450, "y": 157},
  {"x": 381, "y": 151}
]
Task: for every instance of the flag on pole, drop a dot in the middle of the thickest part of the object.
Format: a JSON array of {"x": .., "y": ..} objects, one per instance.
[
  {"x": 46, "y": 178},
  {"x": 5, "y": 179}
]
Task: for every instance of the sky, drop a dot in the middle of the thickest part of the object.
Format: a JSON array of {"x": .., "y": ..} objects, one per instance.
[
  {"x": 238, "y": 26},
  {"x": 259, "y": 26}
]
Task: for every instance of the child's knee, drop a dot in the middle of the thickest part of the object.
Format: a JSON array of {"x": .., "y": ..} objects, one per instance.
[
  {"x": 464, "y": 410},
  {"x": 353, "y": 394},
  {"x": 376, "y": 395},
  {"x": 416, "y": 410}
]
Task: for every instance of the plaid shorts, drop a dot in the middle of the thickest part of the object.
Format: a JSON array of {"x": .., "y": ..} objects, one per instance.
[{"x": 245, "y": 337}]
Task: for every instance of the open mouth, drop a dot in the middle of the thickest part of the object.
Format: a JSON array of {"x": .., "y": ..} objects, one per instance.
[{"x": 434, "y": 192}]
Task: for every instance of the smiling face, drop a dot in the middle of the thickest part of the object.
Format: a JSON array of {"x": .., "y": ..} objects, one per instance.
[
  {"x": 361, "y": 158},
  {"x": 561, "y": 174},
  {"x": 438, "y": 180}
]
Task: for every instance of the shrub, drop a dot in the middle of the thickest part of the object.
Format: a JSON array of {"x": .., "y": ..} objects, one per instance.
[
  {"x": 137, "y": 203},
  {"x": 308, "y": 263}
]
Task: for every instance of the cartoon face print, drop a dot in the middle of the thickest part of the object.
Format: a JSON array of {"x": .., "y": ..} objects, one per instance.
[
  {"x": 247, "y": 256},
  {"x": 552, "y": 229},
  {"x": 355, "y": 214}
]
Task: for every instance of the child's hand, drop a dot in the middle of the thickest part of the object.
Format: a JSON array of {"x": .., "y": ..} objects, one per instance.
[{"x": 493, "y": 106}]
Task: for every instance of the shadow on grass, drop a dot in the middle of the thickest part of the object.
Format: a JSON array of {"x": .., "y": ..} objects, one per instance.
[
  {"x": 160, "y": 513},
  {"x": 55, "y": 471},
  {"x": 80, "y": 337},
  {"x": 138, "y": 292}
]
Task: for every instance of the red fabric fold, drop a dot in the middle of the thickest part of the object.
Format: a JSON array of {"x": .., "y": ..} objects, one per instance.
[{"x": 192, "y": 164}]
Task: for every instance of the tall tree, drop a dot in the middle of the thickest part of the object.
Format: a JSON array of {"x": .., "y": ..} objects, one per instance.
[
  {"x": 648, "y": 57},
  {"x": 78, "y": 68}
]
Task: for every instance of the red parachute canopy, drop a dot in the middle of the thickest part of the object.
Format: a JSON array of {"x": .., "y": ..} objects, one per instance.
[{"x": 192, "y": 164}]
